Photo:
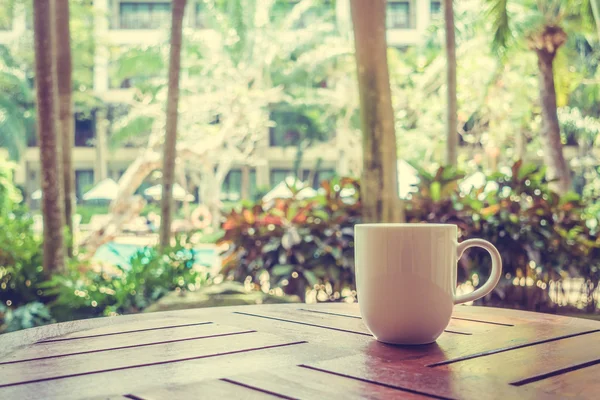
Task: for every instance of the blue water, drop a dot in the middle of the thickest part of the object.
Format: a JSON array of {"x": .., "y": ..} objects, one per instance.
[{"x": 120, "y": 254}]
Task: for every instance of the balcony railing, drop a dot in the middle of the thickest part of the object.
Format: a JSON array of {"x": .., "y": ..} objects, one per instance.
[{"x": 144, "y": 15}]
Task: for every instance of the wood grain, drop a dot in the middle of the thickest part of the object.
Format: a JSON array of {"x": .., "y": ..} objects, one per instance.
[
  {"x": 304, "y": 383},
  {"x": 95, "y": 344},
  {"x": 533, "y": 361},
  {"x": 300, "y": 351},
  {"x": 582, "y": 383},
  {"x": 143, "y": 326},
  {"x": 77, "y": 365},
  {"x": 457, "y": 325},
  {"x": 332, "y": 321},
  {"x": 408, "y": 375},
  {"x": 137, "y": 380},
  {"x": 212, "y": 389}
]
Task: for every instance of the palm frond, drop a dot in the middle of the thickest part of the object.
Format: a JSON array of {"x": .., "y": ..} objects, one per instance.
[
  {"x": 296, "y": 14},
  {"x": 497, "y": 12},
  {"x": 13, "y": 132},
  {"x": 129, "y": 128}
]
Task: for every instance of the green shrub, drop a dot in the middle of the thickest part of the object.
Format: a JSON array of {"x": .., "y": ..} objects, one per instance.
[
  {"x": 21, "y": 267},
  {"x": 539, "y": 234},
  {"x": 88, "y": 210},
  {"x": 27, "y": 316},
  {"x": 300, "y": 244},
  {"x": 305, "y": 244},
  {"x": 85, "y": 292}
]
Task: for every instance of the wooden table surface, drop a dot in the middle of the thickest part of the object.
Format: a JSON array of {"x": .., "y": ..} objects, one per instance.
[{"x": 300, "y": 351}]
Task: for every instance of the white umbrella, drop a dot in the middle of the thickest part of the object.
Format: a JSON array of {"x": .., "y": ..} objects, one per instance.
[
  {"x": 282, "y": 190},
  {"x": 179, "y": 193},
  {"x": 37, "y": 195},
  {"x": 106, "y": 189},
  {"x": 407, "y": 178},
  {"x": 476, "y": 181}
]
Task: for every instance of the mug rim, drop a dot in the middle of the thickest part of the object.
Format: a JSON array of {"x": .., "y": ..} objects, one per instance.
[{"x": 405, "y": 225}]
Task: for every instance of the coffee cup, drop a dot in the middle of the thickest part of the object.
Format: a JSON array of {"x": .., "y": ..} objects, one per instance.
[{"x": 406, "y": 279}]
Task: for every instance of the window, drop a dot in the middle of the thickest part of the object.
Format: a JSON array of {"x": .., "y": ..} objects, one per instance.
[
  {"x": 84, "y": 181},
  {"x": 435, "y": 9},
  {"x": 292, "y": 126},
  {"x": 284, "y": 133},
  {"x": 323, "y": 175},
  {"x": 253, "y": 190},
  {"x": 144, "y": 15},
  {"x": 279, "y": 175},
  {"x": 232, "y": 186},
  {"x": 398, "y": 15},
  {"x": 85, "y": 131}
]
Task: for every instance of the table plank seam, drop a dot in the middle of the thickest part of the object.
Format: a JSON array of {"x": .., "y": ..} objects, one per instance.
[
  {"x": 356, "y": 317},
  {"x": 483, "y": 321},
  {"x": 121, "y": 333},
  {"x": 400, "y": 388},
  {"x": 151, "y": 364},
  {"x": 128, "y": 347},
  {"x": 302, "y": 323},
  {"x": 504, "y": 349},
  {"x": 331, "y": 313},
  {"x": 555, "y": 373},
  {"x": 133, "y": 397},
  {"x": 250, "y": 387}
]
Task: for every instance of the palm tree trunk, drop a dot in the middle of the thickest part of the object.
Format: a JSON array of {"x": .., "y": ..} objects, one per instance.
[
  {"x": 379, "y": 187},
  {"x": 65, "y": 102},
  {"x": 557, "y": 168},
  {"x": 452, "y": 117},
  {"x": 49, "y": 138},
  {"x": 171, "y": 125}
]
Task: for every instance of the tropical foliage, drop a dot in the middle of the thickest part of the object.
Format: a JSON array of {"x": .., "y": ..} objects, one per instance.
[
  {"x": 296, "y": 244},
  {"x": 299, "y": 245}
]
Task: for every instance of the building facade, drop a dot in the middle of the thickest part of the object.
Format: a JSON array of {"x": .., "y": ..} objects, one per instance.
[{"x": 121, "y": 23}]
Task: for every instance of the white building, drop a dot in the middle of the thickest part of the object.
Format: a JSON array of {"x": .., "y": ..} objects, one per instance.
[{"x": 138, "y": 22}]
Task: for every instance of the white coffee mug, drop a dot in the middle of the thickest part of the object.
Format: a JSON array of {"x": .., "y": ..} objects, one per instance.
[{"x": 406, "y": 279}]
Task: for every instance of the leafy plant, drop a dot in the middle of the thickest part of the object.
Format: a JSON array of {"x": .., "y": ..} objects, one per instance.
[
  {"x": 86, "y": 291},
  {"x": 20, "y": 250},
  {"x": 541, "y": 236},
  {"x": 298, "y": 244},
  {"x": 27, "y": 316}
]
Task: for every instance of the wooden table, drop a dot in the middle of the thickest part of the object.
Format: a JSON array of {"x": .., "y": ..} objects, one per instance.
[{"x": 300, "y": 351}]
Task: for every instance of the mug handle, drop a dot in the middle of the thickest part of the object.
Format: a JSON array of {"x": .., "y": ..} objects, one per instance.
[{"x": 494, "y": 275}]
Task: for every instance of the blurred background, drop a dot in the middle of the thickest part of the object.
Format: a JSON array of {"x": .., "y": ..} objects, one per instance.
[{"x": 252, "y": 115}]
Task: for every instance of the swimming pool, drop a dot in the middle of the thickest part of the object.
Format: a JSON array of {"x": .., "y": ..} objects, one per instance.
[{"x": 120, "y": 254}]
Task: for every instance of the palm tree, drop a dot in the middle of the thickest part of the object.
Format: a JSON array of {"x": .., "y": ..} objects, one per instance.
[
  {"x": 452, "y": 113},
  {"x": 250, "y": 65},
  {"x": 49, "y": 138},
  {"x": 379, "y": 189},
  {"x": 65, "y": 103},
  {"x": 169, "y": 154},
  {"x": 541, "y": 25}
]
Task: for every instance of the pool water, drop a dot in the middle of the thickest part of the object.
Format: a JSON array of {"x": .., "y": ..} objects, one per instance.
[{"x": 120, "y": 254}]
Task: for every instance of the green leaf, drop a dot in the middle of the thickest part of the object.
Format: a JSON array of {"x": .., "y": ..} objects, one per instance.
[
  {"x": 436, "y": 191},
  {"x": 282, "y": 270},
  {"x": 311, "y": 278}
]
